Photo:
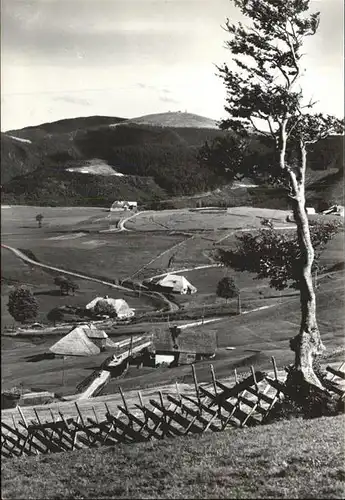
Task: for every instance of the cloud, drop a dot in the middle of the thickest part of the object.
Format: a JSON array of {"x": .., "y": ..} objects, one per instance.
[
  {"x": 163, "y": 93},
  {"x": 92, "y": 33},
  {"x": 168, "y": 99},
  {"x": 73, "y": 100},
  {"x": 146, "y": 86},
  {"x": 132, "y": 57}
]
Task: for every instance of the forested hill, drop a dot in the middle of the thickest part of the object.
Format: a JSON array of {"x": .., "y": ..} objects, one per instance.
[{"x": 96, "y": 159}]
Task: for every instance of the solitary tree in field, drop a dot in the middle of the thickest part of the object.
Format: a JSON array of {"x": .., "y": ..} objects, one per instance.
[
  {"x": 55, "y": 315},
  {"x": 39, "y": 218},
  {"x": 264, "y": 96},
  {"x": 22, "y": 304},
  {"x": 227, "y": 288},
  {"x": 66, "y": 285}
]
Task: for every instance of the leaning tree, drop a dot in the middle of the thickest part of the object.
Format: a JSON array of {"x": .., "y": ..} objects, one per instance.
[{"x": 264, "y": 96}]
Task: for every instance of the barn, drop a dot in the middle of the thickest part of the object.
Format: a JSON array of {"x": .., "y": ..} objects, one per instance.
[
  {"x": 83, "y": 340},
  {"x": 120, "y": 306},
  {"x": 119, "y": 205},
  {"x": 174, "y": 283},
  {"x": 183, "y": 347}
]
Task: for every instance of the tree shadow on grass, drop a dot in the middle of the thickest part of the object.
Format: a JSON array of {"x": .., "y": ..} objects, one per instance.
[
  {"x": 40, "y": 357},
  {"x": 53, "y": 293},
  {"x": 92, "y": 368}
]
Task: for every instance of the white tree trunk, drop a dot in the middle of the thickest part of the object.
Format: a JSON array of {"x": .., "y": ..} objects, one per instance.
[{"x": 307, "y": 344}]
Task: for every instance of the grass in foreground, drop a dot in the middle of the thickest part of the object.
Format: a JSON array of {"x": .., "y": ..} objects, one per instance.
[{"x": 290, "y": 459}]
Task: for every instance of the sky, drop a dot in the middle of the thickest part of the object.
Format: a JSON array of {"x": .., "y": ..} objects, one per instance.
[{"x": 127, "y": 58}]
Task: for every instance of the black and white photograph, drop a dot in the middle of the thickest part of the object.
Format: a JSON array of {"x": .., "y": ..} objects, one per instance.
[{"x": 172, "y": 249}]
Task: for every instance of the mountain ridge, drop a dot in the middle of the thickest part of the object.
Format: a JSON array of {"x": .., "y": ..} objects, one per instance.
[{"x": 72, "y": 154}]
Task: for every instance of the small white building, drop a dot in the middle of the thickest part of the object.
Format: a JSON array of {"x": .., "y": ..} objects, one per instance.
[
  {"x": 123, "y": 205},
  {"x": 120, "y": 306},
  {"x": 177, "y": 284},
  {"x": 335, "y": 210}
]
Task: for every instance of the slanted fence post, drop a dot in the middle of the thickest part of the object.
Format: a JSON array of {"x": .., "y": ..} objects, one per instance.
[
  {"x": 22, "y": 417},
  {"x": 197, "y": 392}
]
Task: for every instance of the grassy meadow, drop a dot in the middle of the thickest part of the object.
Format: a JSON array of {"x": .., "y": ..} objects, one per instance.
[
  {"x": 205, "y": 220},
  {"x": 289, "y": 459},
  {"x": 23, "y": 364},
  {"x": 256, "y": 336},
  {"x": 15, "y": 271}
]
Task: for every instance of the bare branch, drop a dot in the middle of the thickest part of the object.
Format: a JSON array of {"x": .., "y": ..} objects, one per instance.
[
  {"x": 288, "y": 134},
  {"x": 270, "y": 126},
  {"x": 257, "y": 129}
]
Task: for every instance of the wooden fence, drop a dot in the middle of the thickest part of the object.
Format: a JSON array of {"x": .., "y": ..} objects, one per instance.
[{"x": 210, "y": 407}]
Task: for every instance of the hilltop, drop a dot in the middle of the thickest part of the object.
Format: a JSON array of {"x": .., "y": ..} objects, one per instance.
[{"x": 175, "y": 119}]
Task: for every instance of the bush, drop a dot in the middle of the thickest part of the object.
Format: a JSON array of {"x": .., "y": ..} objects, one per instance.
[
  {"x": 55, "y": 315},
  {"x": 304, "y": 400},
  {"x": 22, "y": 305},
  {"x": 227, "y": 288},
  {"x": 103, "y": 308},
  {"x": 66, "y": 284}
]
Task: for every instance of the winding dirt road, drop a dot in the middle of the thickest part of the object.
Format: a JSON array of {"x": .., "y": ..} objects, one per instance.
[{"x": 172, "y": 307}]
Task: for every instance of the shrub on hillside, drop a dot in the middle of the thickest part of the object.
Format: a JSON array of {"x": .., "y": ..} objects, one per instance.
[
  {"x": 227, "y": 288},
  {"x": 66, "y": 284},
  {"x": 55, "y": 315}
]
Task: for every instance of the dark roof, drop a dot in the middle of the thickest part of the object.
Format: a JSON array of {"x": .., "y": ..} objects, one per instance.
[
  {"x": 189, "y": 340},
  {"x": 96, "y": 334}
]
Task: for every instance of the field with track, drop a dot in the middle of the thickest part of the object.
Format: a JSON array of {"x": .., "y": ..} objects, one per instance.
[{"x": 85, "y": 241}]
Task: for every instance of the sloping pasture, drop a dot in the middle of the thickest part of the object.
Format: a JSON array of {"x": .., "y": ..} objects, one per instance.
[
  {"x": 110, "y": 256},
  {"x": 186, "y": 220},
  {"x": 21, "y": 220},
  {"x": 21, "y": 363},
  {"x": 256, "y": 337},
  {"x": 15, "y": 272}
]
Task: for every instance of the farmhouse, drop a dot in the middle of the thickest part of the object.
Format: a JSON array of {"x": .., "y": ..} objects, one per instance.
[
  {"x": 335, "y": 210},
  {"x": 176, "y": 284},
  {"x": 84, "y": 340},
  {"x": 183, "y": 347},
  {"x": 120, "y": 306},
  {"x": 123, "y": 205},
  {"x": 98, "y": 337}
]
